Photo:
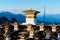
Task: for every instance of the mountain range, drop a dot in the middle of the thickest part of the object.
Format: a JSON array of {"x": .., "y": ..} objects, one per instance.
[{"x": 49, "y": 19}]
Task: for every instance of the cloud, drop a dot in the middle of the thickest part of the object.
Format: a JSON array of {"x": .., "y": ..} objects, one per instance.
[{"x": 15, "y": 11}]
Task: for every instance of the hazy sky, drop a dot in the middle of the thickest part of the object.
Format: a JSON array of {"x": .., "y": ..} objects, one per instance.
[{"x": 52, "y": 6}]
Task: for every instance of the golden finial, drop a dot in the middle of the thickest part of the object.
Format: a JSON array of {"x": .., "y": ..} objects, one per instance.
[{"x": 31, "y": 8}]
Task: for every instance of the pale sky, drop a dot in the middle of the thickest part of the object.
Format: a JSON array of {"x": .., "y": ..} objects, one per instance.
[{"x": 52, "y": 6}]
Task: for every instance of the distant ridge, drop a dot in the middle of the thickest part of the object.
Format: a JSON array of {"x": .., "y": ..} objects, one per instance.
[
  {"x": 49, "y": 19},
  {"x": 19, "y": 17}
]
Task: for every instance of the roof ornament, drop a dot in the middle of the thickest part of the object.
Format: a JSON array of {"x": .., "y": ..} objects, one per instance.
[{"x": 31, "y": 8}]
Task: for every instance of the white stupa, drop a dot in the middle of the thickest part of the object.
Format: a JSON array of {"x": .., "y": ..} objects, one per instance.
[{"x": 30, "y": 15}]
